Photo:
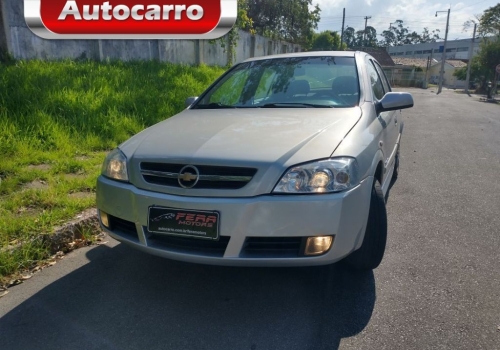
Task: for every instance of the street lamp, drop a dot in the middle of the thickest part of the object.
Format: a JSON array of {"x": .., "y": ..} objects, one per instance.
[{"x": 443, "y": 59}]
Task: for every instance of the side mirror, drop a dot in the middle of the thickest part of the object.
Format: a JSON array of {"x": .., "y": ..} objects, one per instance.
[
  {"x": 190, "y": 101},
  {"x": 393, "y": 101}
]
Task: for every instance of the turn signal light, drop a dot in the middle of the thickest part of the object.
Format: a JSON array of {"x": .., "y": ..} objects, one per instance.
[
  {"x": 318, "y": 245},
  {"x": 104, "y": 218}
]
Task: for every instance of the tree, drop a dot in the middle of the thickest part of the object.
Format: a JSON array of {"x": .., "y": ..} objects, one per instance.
[
  {"x": 349, "y": 36},
  {"x": 401, "y": 32},
  {"x": 327, "y": 41},
  {"x": 429, "y": 37},
  {"x": 401, "y": 35},
  {"x": 483, "y": 65},
  {"x": 389, "y": 38},
  {"x": 370, "y": 37},
  {"x": 489, "y": 57},
  {"x": 290, "y": 20},
  {"x": 489, "y": 22}
]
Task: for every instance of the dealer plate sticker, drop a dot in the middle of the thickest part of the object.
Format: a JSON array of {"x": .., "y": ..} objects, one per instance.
[{"x": 183, "y": 222}]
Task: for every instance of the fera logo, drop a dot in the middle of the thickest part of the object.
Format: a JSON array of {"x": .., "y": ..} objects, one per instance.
[
  {"x": 196, "y": 220},
  {"x": 130, "y": 19}
]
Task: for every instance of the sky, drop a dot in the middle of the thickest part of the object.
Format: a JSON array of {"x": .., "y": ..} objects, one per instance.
[{"x": 416, "y": 14}]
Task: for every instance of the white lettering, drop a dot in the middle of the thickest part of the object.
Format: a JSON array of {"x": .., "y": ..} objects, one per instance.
[
  {"x": 135, "y": 12},
  {"x": 195, "y": 8},
  {"x": 90, "y": 16},
  {"x": 153, "y": 13},
  {"x": 121, "y": 12},
  {"x": 71, "y": 8},
  {"x": 166, "y": 11},
  {"x": 178, "y": 11},
  {"x": 106, "y": 8}
]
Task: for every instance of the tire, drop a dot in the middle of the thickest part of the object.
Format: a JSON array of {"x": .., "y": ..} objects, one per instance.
[{"x": 370, "y": 254}]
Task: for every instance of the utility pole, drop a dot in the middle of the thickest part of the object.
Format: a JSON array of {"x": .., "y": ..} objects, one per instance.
[
  {"x": 443, "y": 59},
  {"x": 366, "y": 23},
  {"x": 467, "y": 80},
  {"x": 342, "y": 35}
]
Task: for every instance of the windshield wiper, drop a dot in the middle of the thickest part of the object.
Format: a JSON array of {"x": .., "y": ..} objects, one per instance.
[
  {"x": 294, "y": 105},
  {"x": 213, "y": 105}
]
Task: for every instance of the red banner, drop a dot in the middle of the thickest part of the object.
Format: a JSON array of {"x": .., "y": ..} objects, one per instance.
[{"x": 96, "y": 17}]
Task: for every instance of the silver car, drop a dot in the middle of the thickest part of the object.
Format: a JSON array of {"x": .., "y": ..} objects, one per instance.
[{"x": 284, "y": 161}]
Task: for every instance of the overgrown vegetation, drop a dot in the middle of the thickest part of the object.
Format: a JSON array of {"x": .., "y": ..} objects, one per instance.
[
  {"x": 483, "y": 65},
  {"x": 57, "y": 121}
]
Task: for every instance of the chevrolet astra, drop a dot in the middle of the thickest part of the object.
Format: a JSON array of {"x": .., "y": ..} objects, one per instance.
[{"x": 284, "y": 160}]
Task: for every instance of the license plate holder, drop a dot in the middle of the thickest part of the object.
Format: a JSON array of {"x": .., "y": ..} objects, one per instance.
[{"x": 200, "y": 224}]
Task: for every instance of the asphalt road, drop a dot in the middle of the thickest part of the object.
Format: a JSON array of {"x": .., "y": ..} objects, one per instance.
[{"x": 438, "y": 287}]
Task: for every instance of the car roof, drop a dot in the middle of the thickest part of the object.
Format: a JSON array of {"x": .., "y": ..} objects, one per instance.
[{"x": 306, "y": 54}]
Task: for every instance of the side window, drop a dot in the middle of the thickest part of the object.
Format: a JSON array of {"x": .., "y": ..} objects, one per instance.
[
  {"x": 383, "y": 77},
  {"x": 377, "y": 87}
]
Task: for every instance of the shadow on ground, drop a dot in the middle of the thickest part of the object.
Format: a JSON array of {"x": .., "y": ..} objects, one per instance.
[{"x": 124, "y": 299}]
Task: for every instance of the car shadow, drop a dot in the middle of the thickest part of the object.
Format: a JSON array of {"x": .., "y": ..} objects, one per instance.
[
  {"x": 125, "y": 299},
  {"x": 391, "y": 185}
]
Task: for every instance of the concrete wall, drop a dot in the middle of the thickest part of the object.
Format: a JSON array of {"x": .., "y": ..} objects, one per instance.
[{"x": 23, "y": 44}]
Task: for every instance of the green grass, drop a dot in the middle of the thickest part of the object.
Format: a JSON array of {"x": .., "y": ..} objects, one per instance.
[{"x": 57, "y": 121}]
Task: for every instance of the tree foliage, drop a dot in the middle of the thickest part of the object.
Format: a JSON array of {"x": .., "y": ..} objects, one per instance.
[
  {"x": 327, "y": 41},
  {"x": 399, "y": 34},
  {"x": 483, "y": 65},
  {"x": 350, "y": 36},
  {"x": 359, "y": 38},
  {"x": 290, "y": 20}
]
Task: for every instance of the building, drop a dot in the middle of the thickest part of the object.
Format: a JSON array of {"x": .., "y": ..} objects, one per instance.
[
  {"x": 449, "y": 80},
  {"x": 379, "y": 53},
  {"x": 455, "y": 49},
  {"x": 429, "y": 71}
]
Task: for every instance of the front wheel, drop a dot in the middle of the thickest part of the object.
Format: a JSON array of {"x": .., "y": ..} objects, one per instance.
[{"x": 370, "y": 254}]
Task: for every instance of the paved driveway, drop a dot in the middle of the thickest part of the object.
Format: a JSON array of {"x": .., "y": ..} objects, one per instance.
[{"x": 438, "y": 287}]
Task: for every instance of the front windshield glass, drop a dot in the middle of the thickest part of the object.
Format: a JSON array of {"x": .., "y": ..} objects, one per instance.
[{"x": 294, "y": 82}]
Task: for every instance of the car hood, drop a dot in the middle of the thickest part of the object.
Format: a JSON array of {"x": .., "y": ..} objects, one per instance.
[
  {"x": 246, "y": 135},
  {"x": 265, "y": 139}
]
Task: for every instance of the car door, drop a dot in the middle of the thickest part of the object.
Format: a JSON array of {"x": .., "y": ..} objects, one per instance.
[
  {"x": 395, "y": 129},
  {"x": 388, "y": 120}
]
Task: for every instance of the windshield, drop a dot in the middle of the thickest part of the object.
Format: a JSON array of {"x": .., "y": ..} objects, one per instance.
[{"x": 294, "y": 82}]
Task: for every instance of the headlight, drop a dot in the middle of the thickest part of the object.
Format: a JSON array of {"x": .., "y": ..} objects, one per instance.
[
  {"x": 326, "y": 176},
  {"x": 115, "y": 166}
]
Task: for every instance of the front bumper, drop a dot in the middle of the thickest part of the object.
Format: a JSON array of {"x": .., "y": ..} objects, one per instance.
[{"x": 342, "y": 215}]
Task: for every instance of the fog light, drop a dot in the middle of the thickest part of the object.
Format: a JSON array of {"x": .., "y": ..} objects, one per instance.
[
  {"x": 318, "y": 245},
  {"x": 104, "y": 218}
]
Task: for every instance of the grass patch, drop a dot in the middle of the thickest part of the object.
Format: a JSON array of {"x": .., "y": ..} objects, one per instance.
[{"x": 57, "y": 122}]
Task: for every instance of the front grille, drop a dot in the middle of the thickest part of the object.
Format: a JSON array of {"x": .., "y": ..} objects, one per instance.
[
  {"x": 272, "y": 247},
  {"x": 123, "y": 228},
  {"x": 189, "y": 245},
  {"x": 210, "y": 177}
]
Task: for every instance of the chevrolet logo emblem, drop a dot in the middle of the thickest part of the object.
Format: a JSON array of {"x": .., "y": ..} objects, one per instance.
[{"x": 187, "y": 177}]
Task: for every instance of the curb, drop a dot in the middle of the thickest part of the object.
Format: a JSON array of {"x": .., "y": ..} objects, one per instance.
[
  {"x": 64, "y": 239},
  {"x": 73, "y": 230}
]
